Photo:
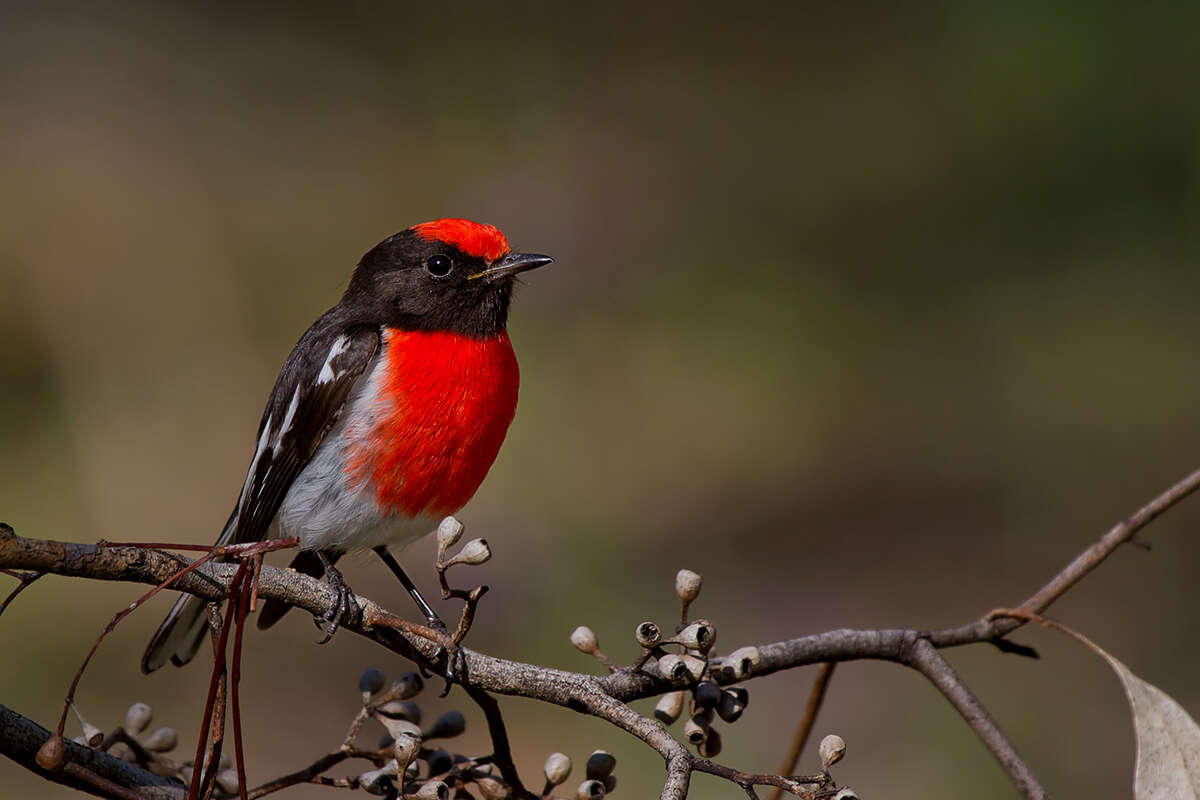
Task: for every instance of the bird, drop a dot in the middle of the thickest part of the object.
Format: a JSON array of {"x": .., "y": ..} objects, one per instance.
[{"x": 385, "y": 417}]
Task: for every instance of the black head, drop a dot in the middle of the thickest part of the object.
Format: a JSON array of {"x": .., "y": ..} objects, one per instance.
[{"x": 448, "y": 275}]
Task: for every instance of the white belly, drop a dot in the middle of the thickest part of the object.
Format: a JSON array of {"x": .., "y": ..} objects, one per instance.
[{"x": 325, "y": 512}]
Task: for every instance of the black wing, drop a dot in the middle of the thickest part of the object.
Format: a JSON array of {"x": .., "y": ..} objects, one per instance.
[{"x": 308, "y": 398}]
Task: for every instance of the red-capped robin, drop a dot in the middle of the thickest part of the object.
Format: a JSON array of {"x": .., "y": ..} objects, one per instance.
[{"x": 386, "y": 416}]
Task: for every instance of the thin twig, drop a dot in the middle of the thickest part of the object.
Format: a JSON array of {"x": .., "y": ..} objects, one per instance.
[
  {"x": 929, "y": 662},
  {"x": 25, "y": 578},
  {"x": 501, "y": 752},
  {"x": 815, "y": 698}
]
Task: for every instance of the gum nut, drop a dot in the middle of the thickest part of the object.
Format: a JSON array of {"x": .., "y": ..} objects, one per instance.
[
  {"x": 707, "y": 694},
  {"x": 474, "y": 552},
  {"x": 669, "y": 707},
  {"x": 448, "y": 533},
  {"x": 227, "y": 780},
  {"x": 687, "y": 585},
  {"x": 405, "y": 710},
  {"x": 492, "y": 789},
  {"x": 92, "y": 736},
  {"x": 407, "y": 685},
  {"x": 695, "y": 730},
  {"x": 744, "y": 661},
  {"x": 433, "y": 790},
  {"x": 590, "y": 790},
  {"x": 51, "y": 754},
  {"x": 186, "y": 772},
  {"x": 584, "y": 639},
  {"x": 440, "y": 762},
  {"x": 600, "y": 764},
  {"x": 137, "y": 717},
  {"x": 647, "y": 634},
  {"x": 729, "y": 708},
  {"x": 700, "y": 635},
  {"x": 845, "y": 793},
  {"x": 405, "y": 748},
  {"x": 163, "y": 740},
  {"x": 399, "y": 727},
  {"x": 557, "y": 768},
  {"x": 448, "y": 725},
  {"x": 610, "y": 783},
  {"x": 672, "y": 668},
  {"x": 711, "y": 746},
  {"x": 831, "y": 750},
  {"x": 371, "y": 681},
  {"x": 694, "y": 666},
  {"x": 377, "y": 781}
]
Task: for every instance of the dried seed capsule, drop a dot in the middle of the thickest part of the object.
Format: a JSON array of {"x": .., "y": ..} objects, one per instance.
[
  {"x": 672, "y": 668},
  {"x": 687, "y": 585},
  {"x": 845, "y": 793},
  {"x": 831, "y": 750},
  {"x": 185, "y": 773},
  {"x": 398, "y": 727},
  {"x": 743, "y": 661},
  {"x": 694, "y": 666},
  {"x": 407, "y": 685},
  {"x": 700, "y": 635},
  {"x": 590, "y": 790},
  {"x": 610, "y": 783},
  {"x": 474, "y": 552},
  {"x": 448, "y": 533},
  {"x": 696, "y": 729},
  {"x": 492, "y": 789},
  {"x": 379, "y": 781},
  {"x": 433, "y": 790},
  {"x": 731, "y": 704},
  {"x": 162, "y": 740},
  {"x": 137, "y": 717},
  {"x": 707, "y": 694},
  {"x": 400, "y": 709},
  {"x": 405, "y": 748},
  {"x": 448, "y": 725},
  {"x": 669, "y": 707},
  {"x": 585, "y": 640},
  {"x": 371, "y": 681},
  {"x": 600, "y": 764},
  {"x": 711, "y": 746},
  {"x": 557, "y": 768},
  {"x": 440, "y": 762},
  {"x": 227, "y": 779},
  {"x": 648, "y": 634}
]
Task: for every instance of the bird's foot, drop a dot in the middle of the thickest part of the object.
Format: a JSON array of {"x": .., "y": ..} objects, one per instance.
[
  {"x": 342, "y": 609},
  {"x": 456, "y": 662}
]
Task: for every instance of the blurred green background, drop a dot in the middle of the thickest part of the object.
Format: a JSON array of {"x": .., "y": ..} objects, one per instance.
[{"x": 874, "y": 317}]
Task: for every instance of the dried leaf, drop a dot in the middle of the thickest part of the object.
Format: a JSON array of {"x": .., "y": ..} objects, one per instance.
[{"x": 1168, "y": 741}]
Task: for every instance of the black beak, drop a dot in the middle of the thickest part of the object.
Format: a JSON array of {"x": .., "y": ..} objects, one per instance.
[{"x": 511, "y": 264}]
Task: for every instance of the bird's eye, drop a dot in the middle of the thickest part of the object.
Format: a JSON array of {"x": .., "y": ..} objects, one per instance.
[{"x": 439, "y": 266}]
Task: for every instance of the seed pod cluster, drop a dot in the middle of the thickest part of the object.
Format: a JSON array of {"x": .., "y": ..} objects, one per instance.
[
  {"x": 128, "y": 741},
  {"x": 696, "y": 666},
  {"x": 599, "y": 781}
]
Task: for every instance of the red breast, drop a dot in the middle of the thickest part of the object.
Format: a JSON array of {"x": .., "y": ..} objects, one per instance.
[{"x": 444, "y": 403}]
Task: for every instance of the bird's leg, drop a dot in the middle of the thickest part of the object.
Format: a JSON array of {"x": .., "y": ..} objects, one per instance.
[
  {"x": 342, "y": 609},
  {"x": 431, "y": 616},
  {"x": 455, "y": 661}
]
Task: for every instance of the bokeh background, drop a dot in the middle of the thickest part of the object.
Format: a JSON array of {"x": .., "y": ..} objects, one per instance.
[{"x": 874, "y": 317}]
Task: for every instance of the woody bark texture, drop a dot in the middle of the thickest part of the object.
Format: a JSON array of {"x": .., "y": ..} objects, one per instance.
[{"x": 601, "y": 696}]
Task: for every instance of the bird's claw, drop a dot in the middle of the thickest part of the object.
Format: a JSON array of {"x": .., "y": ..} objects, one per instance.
[{"x": 341, "y": 610}]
